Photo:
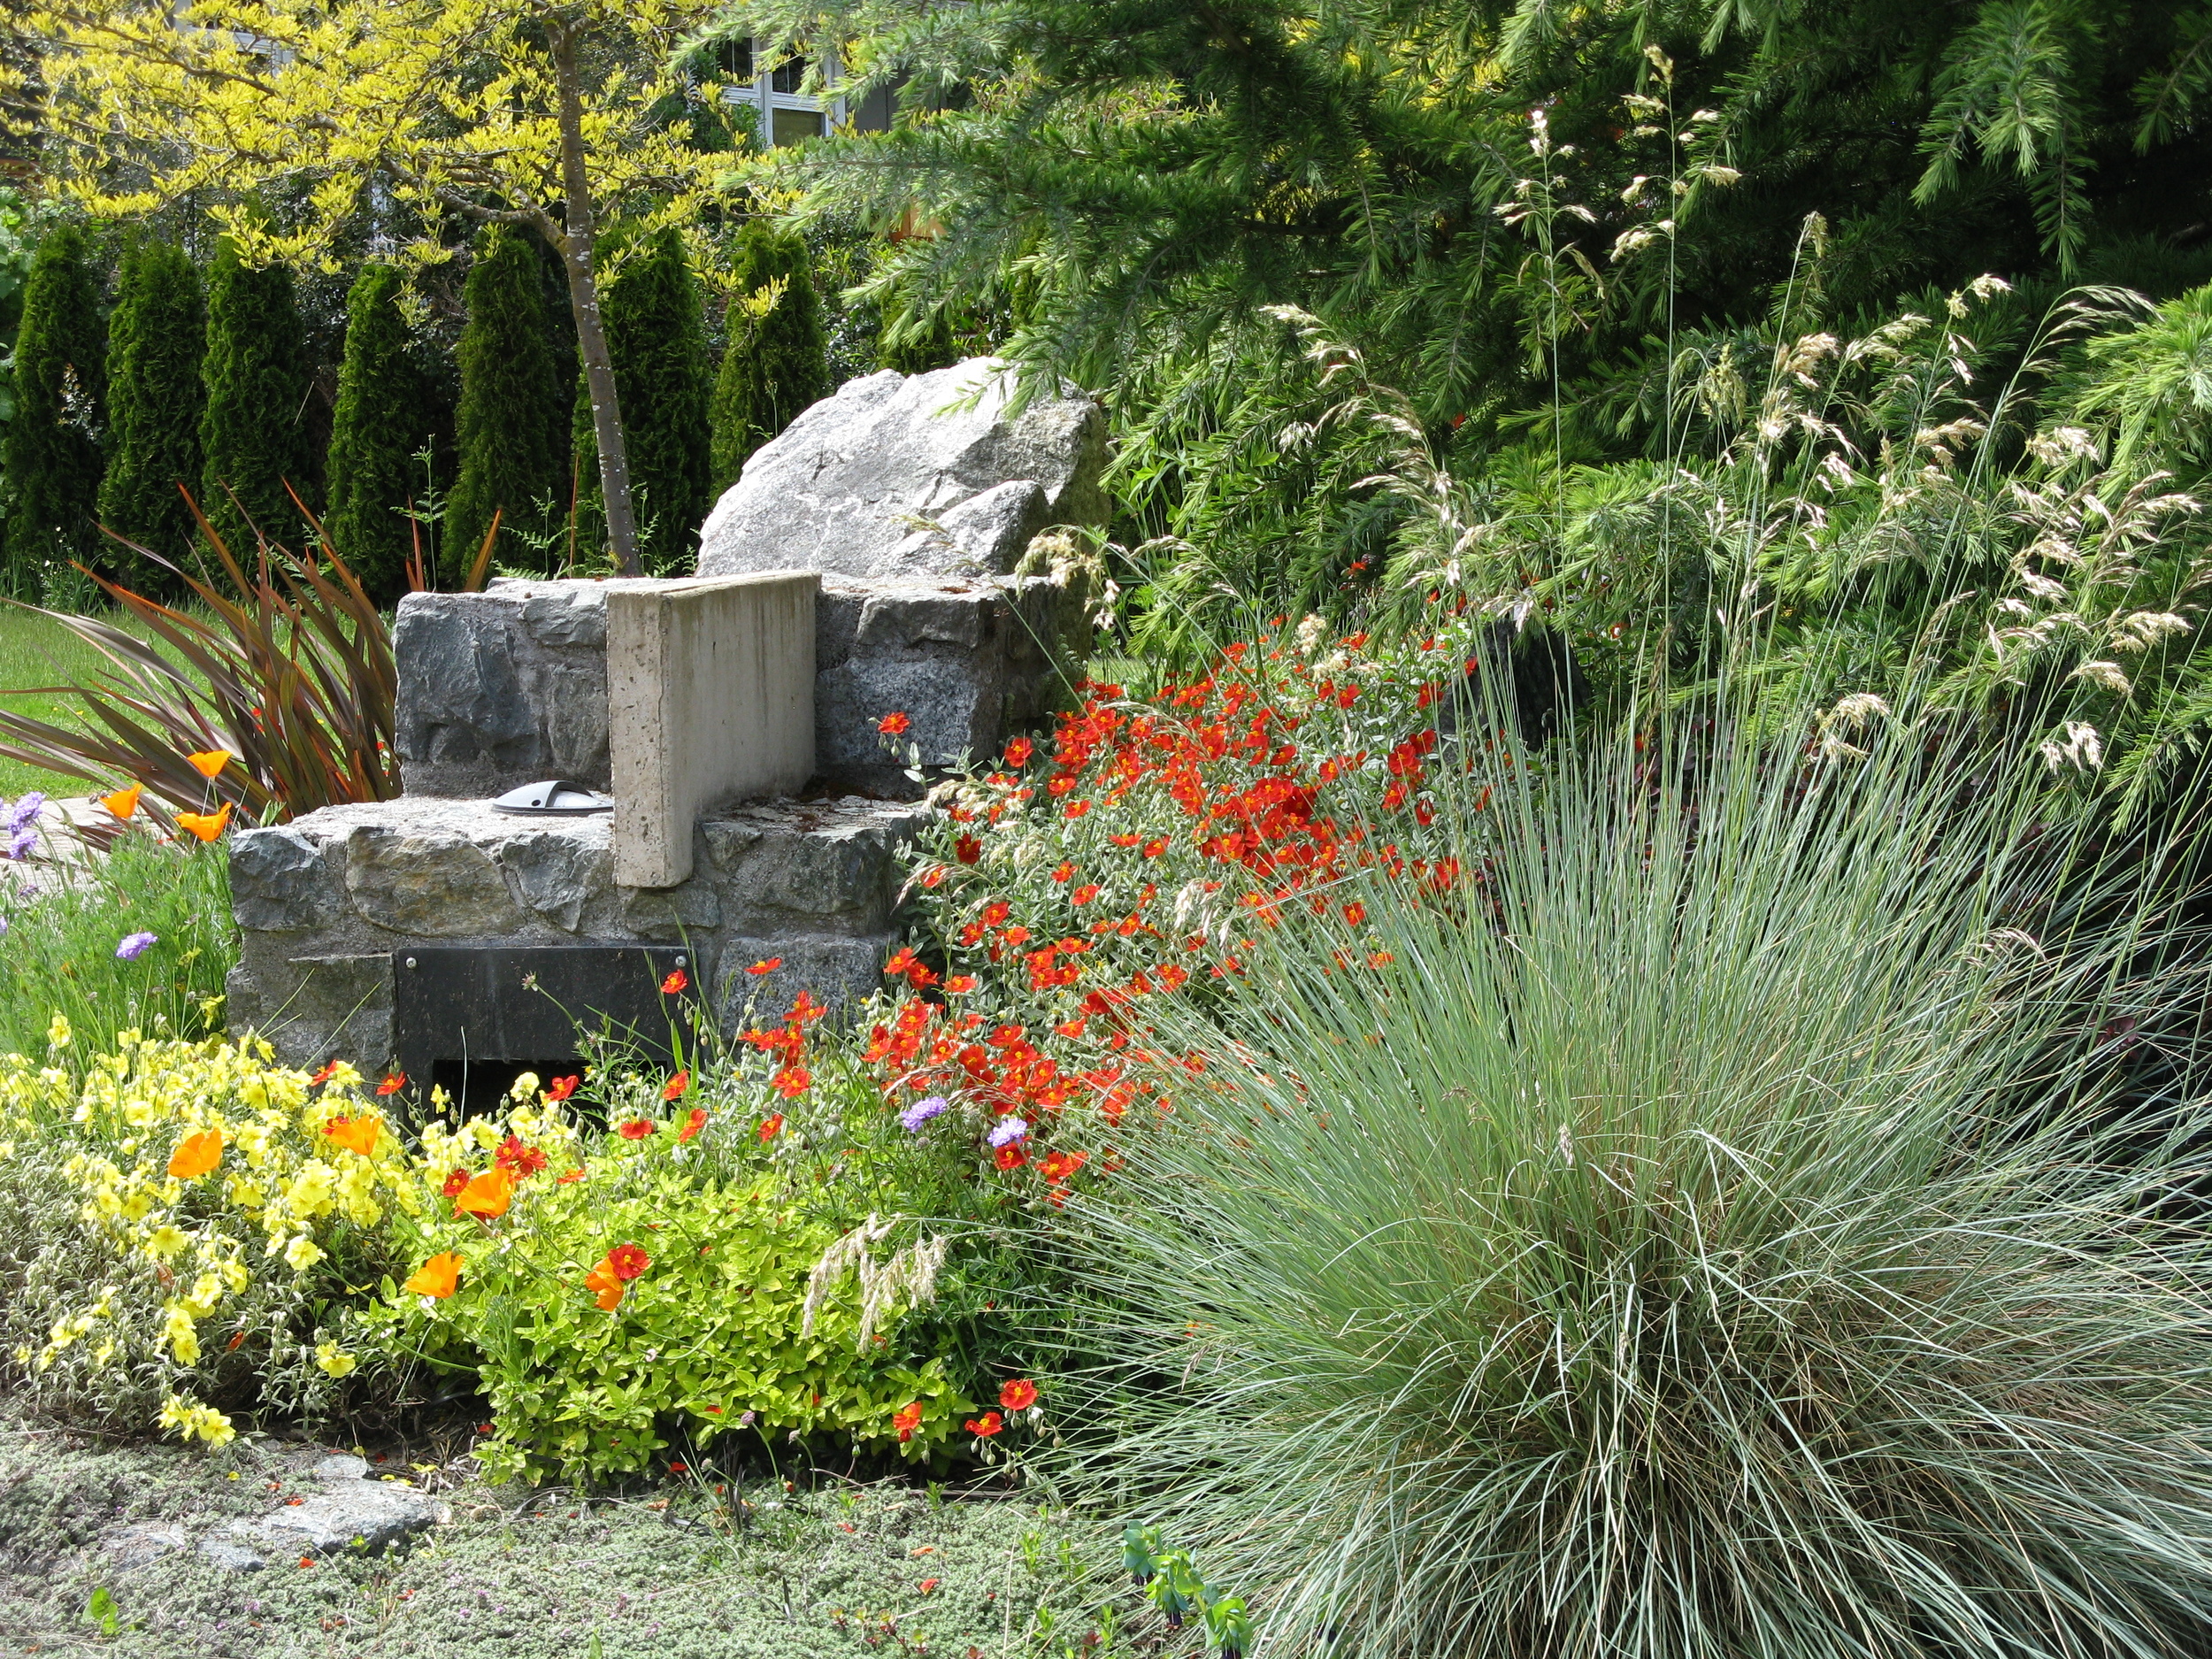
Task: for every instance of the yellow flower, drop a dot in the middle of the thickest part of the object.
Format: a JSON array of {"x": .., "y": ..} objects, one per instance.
[
  {"x": 334, "y": 1360},
  {"x": 303, "y": 1253},
  {"x": 195, "y": 1421},
  {"x": 178, "y": 1331},
  {"x": 58, "y": 1031},
  {"x": 166, "y": 1241}
]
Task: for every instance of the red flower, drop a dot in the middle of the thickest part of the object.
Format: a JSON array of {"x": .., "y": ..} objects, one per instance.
[
  {"x": 561, "y": 1087},
  {"x": 626, "y": 1262},
  {"x": 894, "y": 723},
  {"x": 636, "y": 1129},
  {"x": 985, "y": 1426},
  {"x": 901, "y": 960},
  {"x": 927, "y": 1585},
  {"x": 328, "y": 1071},
  {"x": 454, "y": 1183},
  {"x": 792, "y": 1081},
  {"x": 393, "y": 1083},
  {"x": 1057, "y": 1166},
  {"x": 676, "y": 1086},
  {"x": 960, "y": 983},
  {"x": 1012, "y": 1156},
  {"x": 770, "y": 1126},
  {"x": 573, "y": 1175},
  {"x": 1356, "y": 913},
  {"x": 767, "y": 964},
  {"x": 967, "y": 849},
  {"x": 693, "y": 1124},
  {"x": 1018, "y": 1396},
  {"x": 512, "y": 1155},
  {"x": 907, "y": 1418},
  {"x": 1085, "y": 893},
  {"x": 1018, "y": 751},
  {"x": 675, "y": 982},
  {"x": 1065, "y": 872}
]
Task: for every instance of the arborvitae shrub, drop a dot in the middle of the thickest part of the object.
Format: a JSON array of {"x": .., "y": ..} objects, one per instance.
[
  {"x": 257, "y": 383},
  {"x": 657, "y": 333},
  {"x": 934, "y": 348},
  {"x": 157, "y": 340},
  {"x": 50, "y": 451},
  {"x": 381, "y": 421},
  {"x": 514, "y": 407},
  {"x": 776, "y": 362}
]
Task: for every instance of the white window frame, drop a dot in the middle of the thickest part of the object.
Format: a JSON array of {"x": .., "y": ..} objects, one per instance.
[{"x": 761, "y": 94}]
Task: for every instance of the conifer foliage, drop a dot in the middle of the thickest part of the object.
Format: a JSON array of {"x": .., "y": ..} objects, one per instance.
[
  {"x": 777, "y": 361},
  {"x": 157, "y": 340},
  {"x": 258, "y": 380},
  {"x": 50, "y": 451},
  {"x": 656, "y": 330},
  {"x": 514, "y": 404},
  {"x": 380, "y": 423}
]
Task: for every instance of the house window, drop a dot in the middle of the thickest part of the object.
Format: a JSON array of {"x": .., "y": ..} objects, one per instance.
[{"x": 786, "y": 115}]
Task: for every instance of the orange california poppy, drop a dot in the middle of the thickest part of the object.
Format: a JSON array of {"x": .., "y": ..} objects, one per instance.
[
  {"x": 675, "y": 982},
  {"x": 355, "y": 1135},
  {"x": 561, "y": 1087},
  {"x": 487, "y": 1195},
  {"x": 208, "y": 762},
  {"x": 1018, "y": 1396},
  {"x": 436, "y": 1277},
  {"x": 196, "y": 1155},
  {"x": 626, "y": 1262},
  {"x": 206, "y": 825},
  {"x": 607, "y": 1290},
  {"x": 123, "y": 802},
  {"x": 693, "y": 1124}
]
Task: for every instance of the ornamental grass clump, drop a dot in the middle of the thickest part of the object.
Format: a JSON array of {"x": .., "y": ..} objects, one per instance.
[{"x": 1741, "y": 1223}]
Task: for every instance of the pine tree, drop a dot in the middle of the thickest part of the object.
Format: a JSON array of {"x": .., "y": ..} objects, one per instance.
[
  {"x": 514, "y": 409},
  {"x": 257, "y": 383},
  {"x": 156, "y": 397},
  {"x": 49, "y": 452},
  {"x": 656, "y": 330},
  {"x": 379, "y": 422},
  {"x": 777, "y": 361}
]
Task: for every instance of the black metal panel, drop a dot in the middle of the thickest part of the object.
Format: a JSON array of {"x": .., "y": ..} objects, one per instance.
[{"x": 490, "y": 1013}]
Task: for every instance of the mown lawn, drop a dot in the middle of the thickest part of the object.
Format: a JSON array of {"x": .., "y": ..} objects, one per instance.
[{"x": 35, "y": 655}]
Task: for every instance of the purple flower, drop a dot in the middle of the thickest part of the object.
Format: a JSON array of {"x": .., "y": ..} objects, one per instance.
[
  {"x": 20, "y": 843},
  {"x": 134, "y": 945},
  {"x": 23, "y": 810},
  {"x": 920, "y": 1112},
  {"x": 1008, "y": 1131}
]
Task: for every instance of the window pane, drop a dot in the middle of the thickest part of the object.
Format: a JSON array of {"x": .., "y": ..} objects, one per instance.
[
  {"x": 790, "y": 126},
  {"x": 787, "y": 75},
  {"x": 733, "y": 60}
]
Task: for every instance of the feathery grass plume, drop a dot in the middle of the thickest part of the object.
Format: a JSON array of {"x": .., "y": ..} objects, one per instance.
[{"x": 1735, "y": 1220}]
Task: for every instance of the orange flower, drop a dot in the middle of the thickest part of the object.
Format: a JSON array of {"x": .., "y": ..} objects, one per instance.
[
  {"x": 206, "y": 825},
  {"x": 1379, "y": 958},
  {"x": 907, "y": 1418},
  {"x": 606, "y": 1289},
  {"x": 488, "y": 1196},
  {"x": 693, "y": 1124},
  {"x": 1018, "y": 751},
  {"x": 792, "y": 1080},
  {"x": 1018, "y": 1396},
  {"x": 1356, "y": 913},
  {"x": 436, "y": 1277},
  {"x": 636, "y": 1129},
  {"x": 196, "y": 1155},
  {"x": 393, "y": 1083},
  {"x": 770, "y": 1126},
  {"x": 572, "y": 1175},
  {"x": 455, "y": 1182},
  {"x": 675, "y": 982},
  {"x": 355, "y": 1135},
  {"x": 901, "y": 959},
  {"x": 928, "y": 1585},
  {"x": 561, "y": 1087},
  {"x": 1058, "y": 1166},
  {"x": 959, "y": 984},
  {"x": 123, "y": 802},
  {"x": 893, "y": 725},
  {"x": 767, "y": 964},
  {"x": 626, "y": 1262},
  {"x": 676, "y": 1086},
  {"x": 989, "y": 1423},
  {"x": 329, "y": 1070},
  {"x": 208, "y": 762}
]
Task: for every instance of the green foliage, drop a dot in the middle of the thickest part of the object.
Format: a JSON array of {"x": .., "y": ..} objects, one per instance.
[
  {"x": 50, "y": 451},
  {"x": 657, "y": 333},
  {"x": 379, "y": 426},
  {"x": 253, "y": 435},
  {"x": 157, "y": 340},
  {"x": 514, "y": 402},
  {"x": 63, "y": 931},
  {"x": 776, "y": 363}
]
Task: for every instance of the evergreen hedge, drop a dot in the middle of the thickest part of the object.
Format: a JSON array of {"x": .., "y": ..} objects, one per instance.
[
  {"x": 381, "y": 421},
  {"x": 657, "y": 332},
  {"x": 50, "y": 450},
  {"x": 777, "y": 361},
  {"x": 512, "y": 425},
  {"x": 252, "y": 435},
  {"x": 157, "y": 341}
]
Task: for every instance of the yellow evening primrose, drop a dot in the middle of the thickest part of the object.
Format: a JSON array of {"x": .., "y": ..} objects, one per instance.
[
  {"x": 334, "y": 1360},
  {"x": 166, "y": 1241},
  {"x": 303, "y": 1253},
  {"x": 58, "y": 1033},
  {"x": 183, "y": 1339}
]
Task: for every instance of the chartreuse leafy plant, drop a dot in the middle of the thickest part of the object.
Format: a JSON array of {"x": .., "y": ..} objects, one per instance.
[{"x": 1739, "y": 1225}]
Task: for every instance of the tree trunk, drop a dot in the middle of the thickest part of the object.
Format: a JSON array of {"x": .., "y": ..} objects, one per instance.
[{"x": 575, "y": 247}]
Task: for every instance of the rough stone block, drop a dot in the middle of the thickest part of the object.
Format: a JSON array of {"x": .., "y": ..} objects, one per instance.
[
  {"x": 279, "y": 880},
  {"x": 833, "y": 969},
  {"x": 710, "y": 699}
]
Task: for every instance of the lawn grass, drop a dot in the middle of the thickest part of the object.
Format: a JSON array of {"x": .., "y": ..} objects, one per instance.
[{"x": 35, "y": 654}]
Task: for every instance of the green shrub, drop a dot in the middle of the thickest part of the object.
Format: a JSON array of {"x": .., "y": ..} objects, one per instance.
[
  {"x": 157, "y": 340},
  {"x": 50, "y": 448},
  {"x": 253, "y": 437},
  {"x": 62, "y": 933},
  {"x": 1726, "y": 1229},
  {"x": 776, "y": 362},
  {"x": 514, "y": 404},
  {"x": 380, "y": 423}
]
